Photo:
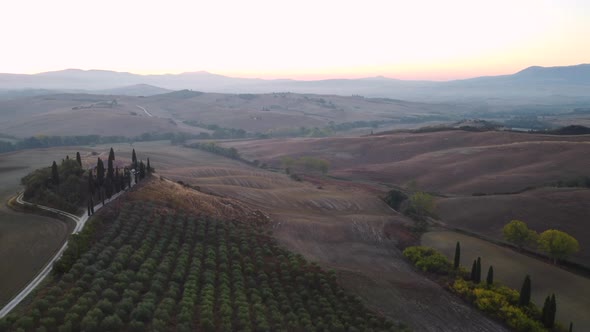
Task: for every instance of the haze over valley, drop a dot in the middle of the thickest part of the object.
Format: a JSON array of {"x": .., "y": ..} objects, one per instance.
[{"x": 330, "y": 166}]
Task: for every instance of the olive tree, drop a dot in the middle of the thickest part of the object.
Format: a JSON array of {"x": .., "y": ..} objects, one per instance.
[
  {"x": 558, "y": 244},
  {"x": 518, "y": 233}
]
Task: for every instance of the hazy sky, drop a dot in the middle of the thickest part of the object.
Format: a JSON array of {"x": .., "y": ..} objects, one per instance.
[{"x": 303, "y": 39}]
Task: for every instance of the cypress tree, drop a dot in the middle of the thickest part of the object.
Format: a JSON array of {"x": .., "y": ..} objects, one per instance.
[
  {"x": 54, "y": 174},
  {"x": 525, "y": 292},
  {"x": 141, "y": 170},
  {"x": 478, "y": 270},
  {"x": 552, "y": 311},
  {"x": 117, "y": 181},
  {"x": 110, "y": 168},
  {"x": 112, "y": 154},
  {"x": 473, "y": 271},
  {"x": 108, "y": 188},
  {"x": 100, "y": 179},
  {"x": 134, "y": 160},
  {"x": 99, "y": 172},
  {"x": 457, "y": 252},
  {"x": 79, "y": 159},
  {"x": 490, "y": 278},
  {"x": 571, "y": 329},
  {"x": 128, "y": 176},
  {"x": 149, "y": 167},
  {"x": 545, "y": 311},
  {"x": 91, "y": 191}
]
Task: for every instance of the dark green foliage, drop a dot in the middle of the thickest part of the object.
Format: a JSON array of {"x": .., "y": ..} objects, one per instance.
[
  {"x": 117, "y": 182},
  {"x": 570, "y": 130},
  {"x": 110, "y": 167},
  {"x": 41, "y": 141},
  {"x": 490, "y": 277},
  {"x": 79, "y": 159},
  {"x": 553, "y": 311},
  {"x": 545, "y": 311},
  {"x": 214, "y": 148},
  {"x": 78, "y": 244},
  {"x": 148, "y": 269},
  {"x": 111, "y": 154},
  {"x": 91, "y": 188},
  {"x": 473, "y": 275},
  {"x": 133, "y": 160},
  {"x": 141, "y": 170},
  {"x": 100, "y": 172},
  {"x": 525, "y": 292},
  {"x": 395, "y": 198},
  {"x": 549, "y": 311},
  {"x": 69, "y": 195},
  {"x": 457, "y": 260},
  {"x": 478, "y": 271},
  {"x": 149, "y": 167},
  {"x": 54, "y": 174},
  {"x": 109, "y": 188}
]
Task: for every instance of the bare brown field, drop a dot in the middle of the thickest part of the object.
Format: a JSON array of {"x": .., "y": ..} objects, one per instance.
[
  {"x": 27, "y": 242},
  {"x": 565, "y": 209},
  {"x": 337, "y": 226},
  {"x": 571, "y": 291},
  {"x": 275, "y": 113},
  {"x": 455, "y": 162},
  {"x": 340, "y": 224},
  {"x": 124, "y": 119}
]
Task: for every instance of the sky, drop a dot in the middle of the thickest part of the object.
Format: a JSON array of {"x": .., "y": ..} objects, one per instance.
[{"x": 303, "y": 39}]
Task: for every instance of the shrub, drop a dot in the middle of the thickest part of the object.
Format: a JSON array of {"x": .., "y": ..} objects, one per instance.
[{"x": 428, "y": 259}]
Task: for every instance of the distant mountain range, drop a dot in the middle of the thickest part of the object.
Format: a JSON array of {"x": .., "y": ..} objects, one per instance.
[{"x": 533, "y": 82}]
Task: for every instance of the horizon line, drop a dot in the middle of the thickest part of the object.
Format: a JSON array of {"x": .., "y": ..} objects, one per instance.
[{"x": 277, "y": 78}]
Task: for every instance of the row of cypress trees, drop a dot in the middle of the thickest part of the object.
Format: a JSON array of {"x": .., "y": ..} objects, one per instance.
[
  {"x": 110, "y": 181},
  {"x": 549, "y": 307}
]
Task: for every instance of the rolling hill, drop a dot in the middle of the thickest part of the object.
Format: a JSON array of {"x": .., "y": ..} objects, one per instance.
[{"x": 532, "y": 82}]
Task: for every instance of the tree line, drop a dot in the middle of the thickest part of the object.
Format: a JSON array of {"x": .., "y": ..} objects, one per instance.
[
  {"x": 556, "y": 244},
  {"x": 43, "y": 141},
  {"x": 512, "y": 307},
  {"x": 68, "y": 186}
]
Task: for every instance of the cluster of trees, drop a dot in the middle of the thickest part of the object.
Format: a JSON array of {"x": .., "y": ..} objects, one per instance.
[
  {"x": 67, "y": 186},
  {"x": 42, "y": 141},
  {"x": 105, "y": 184},
  {"x": 217, "y": 149},
  {"x": 305, "y": 164},
  {"x": 218, "y": 131},
  {"x": 149, "y": 269},
  {"x": 513, "y": 307},
  {"x": 556, "y": 244},
  {"x": 419, "y": 206},
  {"x": 58, "y": 186}
]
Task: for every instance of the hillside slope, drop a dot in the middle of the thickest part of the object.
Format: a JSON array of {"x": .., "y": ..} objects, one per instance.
[{"x": 455, "y": 162}]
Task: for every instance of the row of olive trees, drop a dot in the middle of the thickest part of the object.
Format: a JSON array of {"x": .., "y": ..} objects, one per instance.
[{"x": 556, "y": 244}]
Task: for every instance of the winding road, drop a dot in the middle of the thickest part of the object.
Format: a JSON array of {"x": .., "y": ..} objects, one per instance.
[
  {"x": 80, "y": 222},
  {"x": 146, "y": 112}
]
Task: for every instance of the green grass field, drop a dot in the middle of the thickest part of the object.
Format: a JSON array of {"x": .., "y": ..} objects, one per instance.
[{"x": 572, "y": 291}]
